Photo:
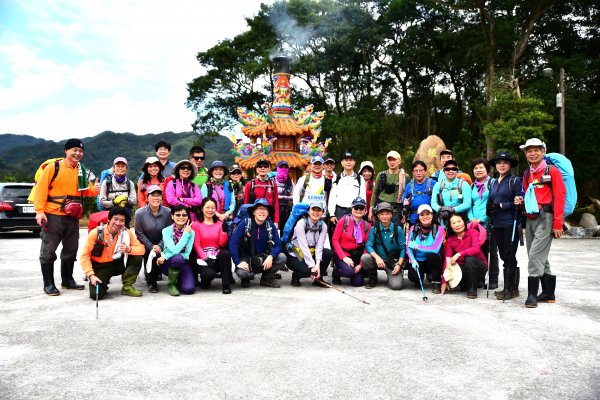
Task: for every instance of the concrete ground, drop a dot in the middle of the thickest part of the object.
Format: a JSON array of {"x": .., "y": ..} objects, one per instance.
[{"x": 298, "y": 342}]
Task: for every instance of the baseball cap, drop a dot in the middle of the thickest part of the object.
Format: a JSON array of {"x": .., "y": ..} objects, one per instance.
[
  {"x": 263, "y": 161},
  {"x": 446, "y": 151},
  {"x": 347, "y": 155},
  {"x": 359, "y": 201},
  {"x": 330, "y": 160},
  {"x": 384, "y": 206},
  {"x": 120, "y": 159},
  {"x": 424, "y": 207},
  {"x": 153, "y": 188},
  {"x": 393, "y": 154},
  {"x": 317, "y": 159}
]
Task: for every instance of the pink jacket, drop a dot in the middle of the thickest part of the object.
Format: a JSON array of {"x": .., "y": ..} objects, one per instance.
[{"x": 175, "y": 193}]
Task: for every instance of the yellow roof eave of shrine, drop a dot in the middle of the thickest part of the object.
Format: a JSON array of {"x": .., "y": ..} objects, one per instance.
[{"x": 281, "y": 126}]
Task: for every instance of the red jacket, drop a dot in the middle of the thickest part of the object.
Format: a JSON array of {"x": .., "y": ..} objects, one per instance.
[
  {"x": 551, "y": 193},
  {"x": 263, "y": 190},
  {"x": 343, "y": 240}
]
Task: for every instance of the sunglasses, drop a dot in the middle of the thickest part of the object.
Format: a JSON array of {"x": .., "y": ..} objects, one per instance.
[
  {"x": 198, "y": 158},
  {"x": 235, "y": 173},
  {"x": 263, "y": 166},
  {"x": 451, "y": 169},
  {"x": 180, "y": 215},
  {"x": 359, "y": 208},
  {"x": 185, "y": 168}
]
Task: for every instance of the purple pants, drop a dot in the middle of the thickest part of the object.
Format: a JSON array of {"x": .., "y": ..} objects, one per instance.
[
  {"x": 187, "y": 284},
  {"x": 347, "y": 271}
]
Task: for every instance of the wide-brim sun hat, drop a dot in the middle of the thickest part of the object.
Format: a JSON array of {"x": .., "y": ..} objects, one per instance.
[
  {"x": 504, "y": 156},
  {"x": 260, "y": 202},
  {"x": 152, "y": 160},
  {"x": 453, "y": 275},
  {"x": 364, "y": 165},
  {"x": 179, "y": 164},
  {"x": 217, "y": 164}
]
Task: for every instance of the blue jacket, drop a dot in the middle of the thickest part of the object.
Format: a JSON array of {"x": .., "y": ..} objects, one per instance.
[
  {"x": 418, "y": 194},
  {"x": 261, "y": 238},
  {"x": 391, "y": 244},
  {"x": 501, "y": 200},
  {"x": 452, "y": 196},
  {"x": 424, "y": 245},
  {"x": 171, "y": 249}
]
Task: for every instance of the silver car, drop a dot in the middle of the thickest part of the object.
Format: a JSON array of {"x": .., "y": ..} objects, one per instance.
[{"x": 15, "y": 212}]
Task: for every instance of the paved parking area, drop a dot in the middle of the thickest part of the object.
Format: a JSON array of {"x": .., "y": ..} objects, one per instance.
[{"x": 298, "y": 342}]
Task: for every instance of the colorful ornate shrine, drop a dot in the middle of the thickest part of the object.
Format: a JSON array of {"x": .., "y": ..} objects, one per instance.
[{"x": 281, "y": 133}]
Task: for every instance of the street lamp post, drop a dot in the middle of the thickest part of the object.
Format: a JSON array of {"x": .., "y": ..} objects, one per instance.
[{"x": 560, "y": 103}]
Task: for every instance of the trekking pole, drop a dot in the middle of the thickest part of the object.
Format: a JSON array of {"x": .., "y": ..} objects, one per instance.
[
  {"x": 421, "y": 283},
  {"x": 343, "y": 291},
  {"x": 97, "y": 295}
]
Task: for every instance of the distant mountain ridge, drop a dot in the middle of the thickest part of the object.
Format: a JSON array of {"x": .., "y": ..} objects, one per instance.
[{"x": 20, "y": 155}]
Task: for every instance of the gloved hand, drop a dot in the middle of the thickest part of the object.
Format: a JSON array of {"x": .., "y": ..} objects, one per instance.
[
  {"x": 120, "y": 201},
  {"x": 447, "y": 209},
  {"x": 225, "y": 226},
  {"x": 444, "y": 214},
  {"x": 415, "y": 265}
]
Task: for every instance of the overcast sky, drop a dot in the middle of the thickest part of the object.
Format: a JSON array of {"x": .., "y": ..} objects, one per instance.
[{"x": 72, "y": 68}]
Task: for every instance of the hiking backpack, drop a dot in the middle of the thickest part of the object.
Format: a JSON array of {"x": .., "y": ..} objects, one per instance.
[
  {"x": 298, "y": 212},
  {"x": 443, "y": 186},
  {"x": 272, "y": 184}
]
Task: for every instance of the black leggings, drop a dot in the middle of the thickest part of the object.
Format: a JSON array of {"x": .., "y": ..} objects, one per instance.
[
  {"x": 473, "y": 270},
  {"x": 432, "y": 265},
  {"x": 507, "y": 248},
  {"x": 221, "y": 264},
  {"x": 301, "y": 270}
]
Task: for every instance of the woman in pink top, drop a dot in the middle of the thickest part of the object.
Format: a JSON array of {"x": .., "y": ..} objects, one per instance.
[
  {"x": 210, "y": 246},
  {"x": 464, "y": 248},
  {"x": 182, "y": 189}
]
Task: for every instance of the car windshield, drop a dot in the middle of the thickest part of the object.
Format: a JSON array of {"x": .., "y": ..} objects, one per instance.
[{"x": 16, "y": 193}]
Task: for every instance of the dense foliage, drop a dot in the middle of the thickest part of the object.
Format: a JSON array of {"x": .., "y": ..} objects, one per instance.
[{"x": 390, "y": 72}]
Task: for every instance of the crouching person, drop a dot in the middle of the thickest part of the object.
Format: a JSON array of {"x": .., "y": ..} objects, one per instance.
[
  {"x": 385, "y": 249},
  {"x": 307, "y": 256},
  {"x": 255, "y": 246},
  {"x": 178, "y": 240},
  {"x": 112, "y": 250}
]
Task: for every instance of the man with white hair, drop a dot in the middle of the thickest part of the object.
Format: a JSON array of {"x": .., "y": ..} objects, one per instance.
[{"x": 544, "y": 182}]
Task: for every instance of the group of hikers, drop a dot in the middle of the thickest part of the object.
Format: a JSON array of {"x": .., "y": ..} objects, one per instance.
[{"x": 194, "y": 224}]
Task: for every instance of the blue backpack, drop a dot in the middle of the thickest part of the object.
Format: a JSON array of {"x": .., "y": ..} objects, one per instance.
[
  {"x": 299, "y": 211},
  {"x": 241, "y": 215},
  {"x": 103, "y": 176},
  {"x": 568, "y": 175}
]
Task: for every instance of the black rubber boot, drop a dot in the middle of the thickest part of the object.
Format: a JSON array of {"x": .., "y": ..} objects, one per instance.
[
  {"x": 533, "y": 284},
  {"x": 505, "y": 283},
  {"x": 548, "y": 286},
  {"x": 472, "y": 291},
  {"x": 508, "y": 292},
  {"x": 48, "y": 276},
  {"x": 66, "y": 272},
  {"x": 517, "y": 281}
]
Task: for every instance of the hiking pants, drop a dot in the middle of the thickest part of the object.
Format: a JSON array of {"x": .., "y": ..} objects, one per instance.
[
  {"x": 347, "y": 271},
  {"x": 301, "y": 270},
  {"x": 221, "y": 264},
  {"x": 61, "y": 228},
  {"x": 394, "y": 281},
  {"x": 473, "y": 271},
  {"x": 187, "y": 284},
  {"x": 278, "y": 263},
  {"x": 507, "y": 246},
  {"x": 538, "y": 234},
  {"x": 431, "y": 265},
  {"x": 105, "y": 271}
]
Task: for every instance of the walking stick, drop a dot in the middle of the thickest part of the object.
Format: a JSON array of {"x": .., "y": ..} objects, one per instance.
[
  {"x": 97, "y": 294},
  {"x": 342, "y": 291},
  {"x": 421, "y": 282}
]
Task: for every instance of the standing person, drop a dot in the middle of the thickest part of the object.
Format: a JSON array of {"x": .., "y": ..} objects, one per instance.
[
  {"x": 445, "y": 156},
  {"x": 236, "y": 182},
  {"x": 424, "y": 248},
  {"x": 329, "y": 167},
  {"x": 112, "y": 250},
  {"x": 217, "y": 188},
  {"x": 59, "y": 189},
  {"x": 451, "y": 194},
  {"x": 210, "y": 245},
  {"x": 149, "y": 223},
  {"x": 263, "y": 187},
  {"x": 480, "y": 191},
  {"x": 117, "y": 189},
  {"x": 178, "y": 239},
  {"x": 390, "y": 186},
  {"x": 385, "y": 249},
  {"x": 307, "y": 256},
  {"x": 151, "y": 175},
  {"x": 346, "y": 187},
  {"x": 163, "y": 151},
  {"x": 463, "y": 248},
  {"x": 546, "y": 184},
  {"x": 418, "y": 190},
  {"x": 311, "y": 187},
  {"x": 182, "y": 190},
  {"x": 285, "y": 189},
  {"x": 197, "y": 156},
  {"x": 505, "y": 221},
  {"x": 349, "y": 239},
  {"x": 255, "y": 246},
  {"x": 367, "y": 171}
]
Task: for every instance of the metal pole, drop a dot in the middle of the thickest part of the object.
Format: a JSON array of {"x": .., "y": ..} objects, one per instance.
[{"x": 561, "y": 89}]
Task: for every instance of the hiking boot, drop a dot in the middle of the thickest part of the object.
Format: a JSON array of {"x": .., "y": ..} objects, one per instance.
[
  {"x": 533, "y": 284},
  {"x": 204, "y": 284},
  {"x": 493, "y": 282},
  {"x": 277, "y": 275},
  {"x": 48, "y": 277},
  {"x": 296, "y": 281},
  {"x": 269, "y": 283},
  {"x": 285, "y": 268},
  {"x": 128, "y": 289},
  {"x": 472, "y": 292},
  {"x": 172, "y": 282},
  {"x": 372, "y": 282},
  {"x": 336, "y": 277},
  {"x": 153, "y": 287},
  {"x": 227, "y": 289},
  {"x": 320, "y": 283},
  {"x": 436, "y": 287},
  {"x": 245, "y": 283},
  {"x": 548, "y": 286},
  {"x": 66, "y": 272}
]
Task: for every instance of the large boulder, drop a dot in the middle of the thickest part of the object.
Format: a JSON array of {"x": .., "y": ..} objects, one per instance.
[
  {"x": 429, "y": 152},
  {"x": 588, "y": 221}
]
